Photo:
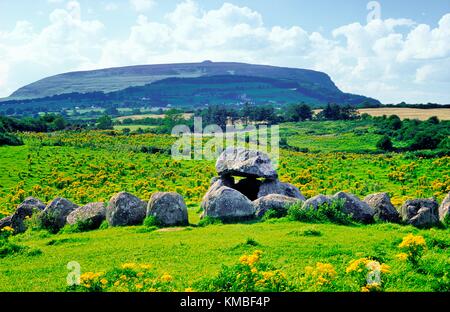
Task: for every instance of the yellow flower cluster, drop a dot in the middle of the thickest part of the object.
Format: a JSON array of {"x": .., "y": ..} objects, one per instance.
[
  {"x": 166, "y": 277},
  {"x": 322, "y": 274},
  {"x": 366, "y": 264},
  {"x": 250, "y": 260},
  {"x": 412, "y": 240},
  {"x": 8, "y": 229}
]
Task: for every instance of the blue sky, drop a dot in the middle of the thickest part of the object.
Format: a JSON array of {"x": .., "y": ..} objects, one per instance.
[{"x": 402, "y": 54}]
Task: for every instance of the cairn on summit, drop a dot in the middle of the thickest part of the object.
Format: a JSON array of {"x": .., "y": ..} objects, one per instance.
[{"x": 227, "y": 199}]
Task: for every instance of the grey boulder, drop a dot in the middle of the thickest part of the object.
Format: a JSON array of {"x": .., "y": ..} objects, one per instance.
[
  {"x": 421, "y": 213},
  {"x": 91, "y": 215},
  {"x": 168, "y": 208},
  {"x": 26, "y": 209},
  {"x": 226, "y": 204},
  {"x": 384, "y": 210},
  {"x": 276, "y": 187},
  {"x": 356, "y": 208},
  {"x": 54, "y": 216},
  {"x": 279, "y": 203},
  {"x": 245, "y": 163},
  {"x": 444, "y": 209},
  {"x": 316, "y": 201},
  {"x": 125, "y": 209}
]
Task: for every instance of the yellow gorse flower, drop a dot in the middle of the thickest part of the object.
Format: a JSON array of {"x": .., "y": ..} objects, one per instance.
[
  {"x": 166, "y": 277},
  {"x": 321, "y": 274},
  {"x": 412, "y": 240},
  {"x": 8, "y": 229},
  {"x": 402, "y": 256},
  {"x": 250, "y": 260}
]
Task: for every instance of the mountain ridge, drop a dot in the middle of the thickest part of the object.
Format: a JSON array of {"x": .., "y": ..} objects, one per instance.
[{"x": 305, "y": 84}]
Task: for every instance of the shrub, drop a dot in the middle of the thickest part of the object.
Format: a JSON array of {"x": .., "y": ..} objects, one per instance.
[
  {"x": 414, "y": 247},
  {"x": 151, "y": 221},
  {"x": 209, "y": 221},
  {"x": 249, "y": 275},
  {"x": 272, "y": 214},
  {"x": 324, "y": 213},
  {"x": 78, "y": 227},
  {"x": 385, "y": 144},
  {"x": 130, "y": 277}
]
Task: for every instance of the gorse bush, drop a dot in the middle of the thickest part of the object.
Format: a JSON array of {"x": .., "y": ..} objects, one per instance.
[
  {"x": 130, "y": 277},
  {"x": 367, "y": 274},
  {"x": 322, "y": 277},
  {"x": 414, "y": 247},
  {"x": 249, "y": 275},
  {"x": 324, "y": 213}
]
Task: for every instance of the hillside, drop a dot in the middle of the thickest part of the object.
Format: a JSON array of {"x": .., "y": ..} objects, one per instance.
[{"x": 186, "y": 84}]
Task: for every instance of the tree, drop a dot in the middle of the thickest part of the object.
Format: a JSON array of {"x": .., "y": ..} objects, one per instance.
[
  {"x": 112, "y": 111},
  {"x": 59, "y": 123},
  {"x": 105, "y": 123},
  {"x": 385, "y": 144},
  {"x": 423, "y": 140},
  {"x": 298, "y": 112}
]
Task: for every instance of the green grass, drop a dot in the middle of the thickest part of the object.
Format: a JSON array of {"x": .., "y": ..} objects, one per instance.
[
  {"x": 332, "y": 136},
  {"x": 191, "y": 254}
]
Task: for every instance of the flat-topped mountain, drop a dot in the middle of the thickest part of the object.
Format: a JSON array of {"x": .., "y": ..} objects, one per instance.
[{"x": 193, "y": 84}]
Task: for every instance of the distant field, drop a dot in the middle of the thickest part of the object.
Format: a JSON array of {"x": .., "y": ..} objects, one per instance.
[
  {"x": 155, "y": 116},
  {"x": 411, "y": 113},
  {"x": 133, "y": 127}
]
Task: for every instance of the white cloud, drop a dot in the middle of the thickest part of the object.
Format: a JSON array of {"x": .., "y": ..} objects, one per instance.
[
  {"x": 392, "y": 60},
  {"x": 142, "y": 5}
]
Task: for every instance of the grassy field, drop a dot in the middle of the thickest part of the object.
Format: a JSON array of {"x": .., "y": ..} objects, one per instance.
[
  {"x": 93, "y": 165},
  {"x": 410, "y": 113},
  {"x": 143, "y": 116},
  {"x": 191, "y": 254}
]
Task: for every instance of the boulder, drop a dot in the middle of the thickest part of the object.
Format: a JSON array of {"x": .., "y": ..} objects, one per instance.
[
  {"x": 279, "y": 203},
  {"x": 90, "y": 216},
  {"x": 125, "y": 209},
  {"x": 249, "y": 187},
  {"x": 384, "y": 210},
  {"x": 26, "y": 209},
  {"x": 168, "y": 208},
  {"x": 421, "y": 213},
  {"x": 444, "y": 209},
  {"x": 316, "y": 201},
  {"x": 227, "y": 204},
  {"x": 359, "y": 210},
  {"x": 245, "y": 163},
  {"x": 276, "y": 187},
  {"x": 54, "y": 216},
  {"x": 5, "y": 222}
]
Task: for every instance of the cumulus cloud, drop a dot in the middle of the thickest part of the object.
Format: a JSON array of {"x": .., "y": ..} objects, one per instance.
[{"x": 392, "y": 60}]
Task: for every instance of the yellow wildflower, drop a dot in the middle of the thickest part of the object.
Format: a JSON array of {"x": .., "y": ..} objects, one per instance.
[
  {"x": 129, "y": 265},
  {"x": 402, "y": 256},
  {"x": 166, "y": 277}
]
